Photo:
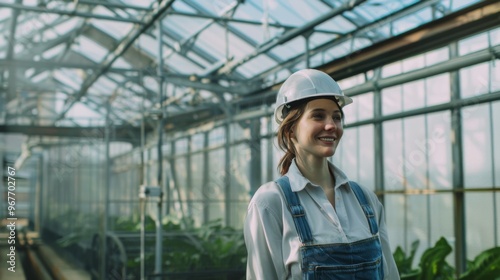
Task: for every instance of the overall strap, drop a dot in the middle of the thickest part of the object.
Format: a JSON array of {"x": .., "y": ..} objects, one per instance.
[
  {"x": 297, "y": 211},
  {"x": 367, "y": 209}
]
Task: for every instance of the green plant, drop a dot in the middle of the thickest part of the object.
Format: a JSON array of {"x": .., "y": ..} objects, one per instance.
[
  {"x": 404, "y": 263},
  {"x": 188, "y": 248},
  {"x": 433, "y": 265},
  {"x": 485, "y": 266}
]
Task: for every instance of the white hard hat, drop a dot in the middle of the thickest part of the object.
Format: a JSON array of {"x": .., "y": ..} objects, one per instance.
[{"x": 307, "y": 83}]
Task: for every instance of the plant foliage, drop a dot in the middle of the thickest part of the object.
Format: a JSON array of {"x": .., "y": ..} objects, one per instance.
[{"x": 433, "y": 265}]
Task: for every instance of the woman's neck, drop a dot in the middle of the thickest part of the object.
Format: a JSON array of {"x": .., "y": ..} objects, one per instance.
[{"x": 316, "y": 171}]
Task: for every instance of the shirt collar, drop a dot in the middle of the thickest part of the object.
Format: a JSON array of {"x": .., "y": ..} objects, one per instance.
[{"x": 298, "y": 182}]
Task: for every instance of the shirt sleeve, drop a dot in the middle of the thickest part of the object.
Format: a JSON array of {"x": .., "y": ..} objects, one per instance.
[
  {"x": 263, "y": 238},
  {"x": 390, "y": 268}
]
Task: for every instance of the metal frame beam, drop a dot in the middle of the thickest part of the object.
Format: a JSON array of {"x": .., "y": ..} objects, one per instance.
[
  {"x": 72, "y": 13},
  {"x": 481, "y": 16},
  {"x": 121, "y": 48},
  {"x": 287, "y": 36},
  {"x": 125, "y": 133}
]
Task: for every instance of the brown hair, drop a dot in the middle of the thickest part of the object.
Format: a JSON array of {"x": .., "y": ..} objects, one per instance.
[
  {"x": 284, "y": 136},
  {"x": 285, "y": 129}
]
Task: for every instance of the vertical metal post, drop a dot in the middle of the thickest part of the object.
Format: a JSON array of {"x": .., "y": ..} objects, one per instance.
[
  {"x": 270, "y": 152},
  {"x": 141, "y": 200},
  {"x": 378, "y": 141},
  {"x": 227, "y": 170},
  {"x": 107, "y": 186},
  {"x": 2, "y": 196},
  {"x": 308, "y": 56},
  {"x": 158, "y": 254},
  {"x": 205, "y": 186},
  {"x": 458, "y": 178},
  {"x": 142, "y": 205},
  {"x": 189, "y": 179},
  {"x": 255, "y": 156}
]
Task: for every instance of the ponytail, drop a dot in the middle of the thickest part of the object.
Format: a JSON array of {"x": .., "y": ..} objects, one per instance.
[{"x": 284, "y": 136}]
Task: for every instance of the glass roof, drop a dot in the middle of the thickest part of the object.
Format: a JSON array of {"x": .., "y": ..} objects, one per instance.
[{"x": 79, "y": 55}]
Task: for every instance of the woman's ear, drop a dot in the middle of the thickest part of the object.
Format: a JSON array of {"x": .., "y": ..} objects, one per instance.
[{"x": 292, "y": 133}]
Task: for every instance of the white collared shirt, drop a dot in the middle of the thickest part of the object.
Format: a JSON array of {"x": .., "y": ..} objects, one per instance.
[{"x": 271, "y": 238}]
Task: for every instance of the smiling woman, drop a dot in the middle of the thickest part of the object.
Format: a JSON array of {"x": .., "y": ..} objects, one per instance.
[{"x": 313, "y": 221}]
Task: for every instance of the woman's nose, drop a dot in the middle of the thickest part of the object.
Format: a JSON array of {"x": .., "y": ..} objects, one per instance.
[{"x": 330, "y": 125}]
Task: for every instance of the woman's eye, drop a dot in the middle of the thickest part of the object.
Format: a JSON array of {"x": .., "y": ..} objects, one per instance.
[{"x": 318, "y": 116}]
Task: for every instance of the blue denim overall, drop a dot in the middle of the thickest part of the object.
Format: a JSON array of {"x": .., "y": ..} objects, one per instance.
[{"x": 357, "y": 260}]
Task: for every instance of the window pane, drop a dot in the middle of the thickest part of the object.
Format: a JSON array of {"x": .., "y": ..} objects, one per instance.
[
  {"x": 496, "y": 141},
  {"x": 417, "y": 219},
  {"x": 366, "y": 157},
  {"x": 415, "y": 164},
  {"x": 479, "y": 231},
  {"x": 473, "y": 44},
  {"x": 391, "y": 100},
  {"x": 395, "y": 218},
  {"x": 477, "y": 151},
  {"x": 438, "y": 146},
  {"x": 441, "y": 209},
  {"x": 495, "y": 76},
  {"x": 474, "y": 80},
  {"x": 437, "y": 89},
  {"x": 393, "y": 155},
  {"x": 413, "y": 95},
  {"x": 360, "y": 109}
]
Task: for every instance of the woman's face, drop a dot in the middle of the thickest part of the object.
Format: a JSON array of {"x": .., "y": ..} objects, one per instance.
[{"x": 318, "y": 131}]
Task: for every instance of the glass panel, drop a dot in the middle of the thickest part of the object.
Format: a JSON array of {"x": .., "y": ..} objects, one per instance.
[
  {"x": 479, "y": 232},
  {"x": 436, "y": 56},
  {"x": 216, "y": 136},
  {"x": 438, "y": 145},
  {"x": 181, "y": 182},
  {"x": 216, "y": 210},
  {"x": 473, "y": 44},
  {"x": 495, "y": 37},
  {"x": 418, "y": 224},
  {"x": 474, "y": 80},
  {"x": 197, "y": 193},
  {"x": 395, "y": 218},
  {"x": 413, "y": 95},
  {"x": 496, "y": 141},
  {"x": 495, "y": 76},
  {"x": 197, "y": 142},
  {"x": 350, "y": 162},
  {"x": 358, "y": 159},
  {"x": 413, "y": 63},
  {"x": 477, "y": 151},
  {"x": 415, "y": 162},
  {"x": 437, "y": 89},
  {"x": 238, "y": 214},
  {"x": 240, "y": 170},
  {"x": 360, "y": 109},
  {"x": 392, "y": 69},
  {"x": 441, "y": 215},
  {"x": 366, "y": 157},
  {"x": 365, "y": 106},
  {"x": 391, "y": 100},
  {"x": 393, "y": 155},
  {"x": 216, "y": 180},
  {"x": 497, "y": 216}
]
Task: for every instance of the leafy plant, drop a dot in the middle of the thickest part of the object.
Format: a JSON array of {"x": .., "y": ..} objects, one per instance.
[
  {"x": 404, "y": 263},
  {"x": 485, "y": 266},
  {"x": 433, "y": 265}
]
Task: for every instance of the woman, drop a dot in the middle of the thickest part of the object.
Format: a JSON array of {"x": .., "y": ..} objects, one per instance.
[{"x": 313, "y": 223}]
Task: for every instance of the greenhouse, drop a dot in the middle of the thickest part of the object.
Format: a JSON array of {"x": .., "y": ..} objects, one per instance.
[{"x": 134, "y": 134}]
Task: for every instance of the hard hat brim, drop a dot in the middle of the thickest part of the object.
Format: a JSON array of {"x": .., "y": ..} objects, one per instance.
[{"x": 341, "y": 99}]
